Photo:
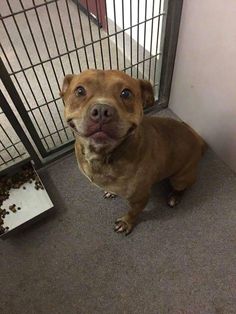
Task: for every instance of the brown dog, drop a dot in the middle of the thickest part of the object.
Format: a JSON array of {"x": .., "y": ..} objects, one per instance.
[{"x": 118, "y": 148}]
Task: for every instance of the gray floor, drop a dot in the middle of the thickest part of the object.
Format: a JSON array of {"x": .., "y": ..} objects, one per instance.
[{"x": 175, "y": 261}]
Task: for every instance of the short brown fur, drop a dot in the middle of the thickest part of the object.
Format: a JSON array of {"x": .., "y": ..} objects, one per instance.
[{"x": 146, "y": 149}]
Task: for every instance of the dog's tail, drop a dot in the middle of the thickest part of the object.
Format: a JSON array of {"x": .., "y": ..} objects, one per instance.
[{"x": 204, "y": 145}]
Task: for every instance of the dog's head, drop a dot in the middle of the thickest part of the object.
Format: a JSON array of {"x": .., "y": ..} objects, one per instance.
[{"x": 104, "y": 107}]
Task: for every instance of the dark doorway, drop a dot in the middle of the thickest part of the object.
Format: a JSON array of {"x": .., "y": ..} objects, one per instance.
[{"x": 96, "y": 9}]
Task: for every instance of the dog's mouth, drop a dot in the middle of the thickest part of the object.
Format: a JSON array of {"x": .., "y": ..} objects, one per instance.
[
  {"x": 93, "y": 131},
  {"x": 102, "y": 133}
]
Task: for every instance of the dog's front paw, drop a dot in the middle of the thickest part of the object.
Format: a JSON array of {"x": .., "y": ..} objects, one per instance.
[
  {"x": 123, "y": 225},
  {"x": 109, "y": 195}
]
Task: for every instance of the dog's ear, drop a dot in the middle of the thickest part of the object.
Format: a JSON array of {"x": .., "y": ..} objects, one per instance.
[
  {"x": 66, "y": 82},
  {"x": 147, "y": 93}
]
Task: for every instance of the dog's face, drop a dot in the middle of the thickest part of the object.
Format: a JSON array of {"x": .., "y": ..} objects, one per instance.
[{"x": 104, "y": 107}]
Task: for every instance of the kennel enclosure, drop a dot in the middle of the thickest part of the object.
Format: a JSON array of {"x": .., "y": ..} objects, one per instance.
[{"x": 43, "y": 40}]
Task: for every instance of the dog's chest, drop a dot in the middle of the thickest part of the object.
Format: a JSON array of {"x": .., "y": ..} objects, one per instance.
[
  {"x": 98, "y": 173},
  {"x": 107, "y": 177}
]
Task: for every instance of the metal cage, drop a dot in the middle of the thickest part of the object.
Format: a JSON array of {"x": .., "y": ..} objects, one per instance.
[{"x": 42, "y": 40}]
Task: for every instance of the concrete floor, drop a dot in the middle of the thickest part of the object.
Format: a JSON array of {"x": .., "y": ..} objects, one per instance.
[{"x": 175, "y": 261}]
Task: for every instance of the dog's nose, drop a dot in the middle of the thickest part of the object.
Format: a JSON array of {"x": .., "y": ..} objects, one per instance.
[{"x": 102, "y": 113}]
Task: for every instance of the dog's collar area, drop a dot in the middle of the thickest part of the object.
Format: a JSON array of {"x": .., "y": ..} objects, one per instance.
[{"x": 117, "y": 152}]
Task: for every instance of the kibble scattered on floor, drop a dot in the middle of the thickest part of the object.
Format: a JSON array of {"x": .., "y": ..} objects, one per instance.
[{"x": 27, "y": 174}]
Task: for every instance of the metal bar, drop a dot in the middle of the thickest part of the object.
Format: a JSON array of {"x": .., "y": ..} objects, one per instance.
[
  {"x": 36, "y": 76},
  {"x": 6, "y": 150},
  {"x": 73, "y": 34},
  {"x": 91, "y": 36},
  {"x": 10, "y": 87},
  {"x": 10, "y": 146},
  {"x": 144, "y": 40},
  {"x": 50, "y": 60},
  {"x": 49, "y": 54},
  {"x": 108, "y": 32},
  {"x": 138, "y": 39},
  {"x": 27, "y": 80},
  {"x": 26, "y": 10},
  {"x": 45, "y": 104},
  {"x": 158, "y": 32},
  {"x": 131, "y": 37},
  {"x": 153, "y": 109},
  {"x": 63, "y": 33},
  {"x": 10, "y": 140},
  {"x": 18, "y": 129},
  {"x": 169, "y": 51},
  {"x": 99, "y": 34},
  {"x": 12, "y": 158},
  {"x": 61, "y": 151},
  {"x": 53, "y": 34},
  {"x": 44, "y": 71},
  {"x": 45, "y": 42},
  {"x": 116, "y": 32},
  {"x": 58, "y": 149},
  {"x": 141, "y": 61},
  {"x": 82, "y": 33},
  {"x": 85, "y": 46},
  {"x": 153, "y": 5},
  {"x": 4, "y": 161},
  {"x": 123, "y": 26},
  {"x": 53, "y": 133}
]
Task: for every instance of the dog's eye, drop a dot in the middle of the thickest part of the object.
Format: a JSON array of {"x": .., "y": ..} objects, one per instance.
[
  {"x": 80, "y": 91},
  {"x": 126, "y": 93}
]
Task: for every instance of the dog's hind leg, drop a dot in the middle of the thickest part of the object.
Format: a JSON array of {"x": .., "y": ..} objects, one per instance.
[
  {"x": 179, "y": 183},
  {"x": 174, "y": 198}
]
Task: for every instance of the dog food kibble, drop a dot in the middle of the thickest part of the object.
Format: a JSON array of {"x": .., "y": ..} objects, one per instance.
[
  {"x": 18, "y": 180},
  {"x": 38, "y": 184},
  {"x": 13, "y": 208},
  {"x": 27, "y": 174}
]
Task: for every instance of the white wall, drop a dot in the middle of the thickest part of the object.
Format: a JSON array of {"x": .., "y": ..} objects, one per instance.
[{"x": 204, "y": 82}]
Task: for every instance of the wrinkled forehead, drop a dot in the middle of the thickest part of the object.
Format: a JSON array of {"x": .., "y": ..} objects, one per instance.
[{"x": 99, "y": 79}]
